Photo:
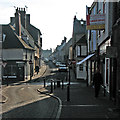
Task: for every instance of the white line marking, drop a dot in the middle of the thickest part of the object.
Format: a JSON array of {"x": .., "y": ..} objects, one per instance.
[
  {"x": 79, "y": 105},
  {"x": 22, "y": 88}
]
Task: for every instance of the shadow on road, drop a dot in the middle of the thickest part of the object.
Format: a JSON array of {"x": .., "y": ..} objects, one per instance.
[{"x": 45, "y": 108}]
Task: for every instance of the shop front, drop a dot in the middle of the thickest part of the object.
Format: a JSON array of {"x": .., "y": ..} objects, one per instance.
[
  {"x": 14, "y": 70},
  {"x": 105, "y": 64}
]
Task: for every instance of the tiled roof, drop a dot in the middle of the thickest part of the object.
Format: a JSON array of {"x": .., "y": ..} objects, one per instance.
[
  {"x": 12, "y": 40},
  {"x": 33, "y": 31},
  {"x": 82, "y": 39}
]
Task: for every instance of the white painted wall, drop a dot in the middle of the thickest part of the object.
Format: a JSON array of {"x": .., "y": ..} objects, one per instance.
[{"x": 81, "y": 74}]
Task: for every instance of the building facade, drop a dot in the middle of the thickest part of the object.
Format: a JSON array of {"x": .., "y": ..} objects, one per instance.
[
  {"x": 21, "y": 50},
  {"x": 79, "y": 49},
  {"x": 103, "y": 43}
]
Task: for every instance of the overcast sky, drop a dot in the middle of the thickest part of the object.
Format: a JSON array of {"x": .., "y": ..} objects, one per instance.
[{"x": 54, "y": 18}]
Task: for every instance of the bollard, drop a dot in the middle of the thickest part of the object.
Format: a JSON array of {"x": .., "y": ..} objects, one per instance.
[
  {"x": 58, "y": 83},
  {"x": 7, "y": 80},
  {"x": 68, "y": 92},
  {"x": 54, "y": 84},
  {"x": 104, "y": 91},
  {"x": 44, "y": 82},
  {"x": 51, "y": 86},
  {"x": 62, "y": 84}
]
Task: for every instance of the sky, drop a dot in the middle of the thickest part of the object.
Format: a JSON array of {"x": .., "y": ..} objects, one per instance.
[{"x": 54, "y": 18}]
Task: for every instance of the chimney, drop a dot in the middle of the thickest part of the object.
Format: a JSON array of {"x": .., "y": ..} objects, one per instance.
[
  {"x": 12, "y": 19},
  {"x": 18, "y": 22},
  {"x": 65, "y": 39},
  {"x": 23, "y": 17},
  {"x": 27, "y": 20}
]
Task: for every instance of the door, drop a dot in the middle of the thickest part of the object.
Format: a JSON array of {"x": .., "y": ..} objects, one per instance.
[
  {"x": 21, "y": 73},
  {"x": 107, "y": 74}
]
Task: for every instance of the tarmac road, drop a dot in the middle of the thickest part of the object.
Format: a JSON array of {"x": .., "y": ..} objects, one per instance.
[{"x": 25, "y": 102}]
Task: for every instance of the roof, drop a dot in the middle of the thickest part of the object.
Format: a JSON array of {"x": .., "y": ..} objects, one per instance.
[
  {"x": 12, "y": 40},
  {"x": 33, "y": 31},
  {"x": 82, "y": 39},
  {"x": 79, "y": 28}
]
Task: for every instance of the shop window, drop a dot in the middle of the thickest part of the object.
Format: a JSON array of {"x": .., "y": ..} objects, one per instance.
[
  {"x": 10, "y": 70},
  {"x": 81, "y": 67}
]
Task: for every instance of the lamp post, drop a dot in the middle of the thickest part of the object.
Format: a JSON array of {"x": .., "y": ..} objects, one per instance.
[
  {"x": 30, "y": 62},
  {"x": 4, "y": 63},
  {"x": 68, "y": 85}
]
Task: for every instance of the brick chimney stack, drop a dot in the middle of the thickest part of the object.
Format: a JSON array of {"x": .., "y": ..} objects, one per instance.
[
  {"x": 23, "y": 17},
  {"x": 27, "y": 20},
  {"x": 18, "y": 22}
]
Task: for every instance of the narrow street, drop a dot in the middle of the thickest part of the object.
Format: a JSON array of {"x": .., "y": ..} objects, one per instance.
[{"x": 23, "y": 98}]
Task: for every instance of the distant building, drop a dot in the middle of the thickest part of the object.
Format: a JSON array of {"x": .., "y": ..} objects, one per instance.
[
  {"x": 81, "y": 53},
  {"x": 66, "y": 52},
  {"x": 79, "y": 47},
  {"x": 58, "y": 54},
  {"x": 46, "y": 53}
]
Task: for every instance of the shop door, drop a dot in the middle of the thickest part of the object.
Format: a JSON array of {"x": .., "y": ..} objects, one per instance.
[{"x": 21, "y": 73}]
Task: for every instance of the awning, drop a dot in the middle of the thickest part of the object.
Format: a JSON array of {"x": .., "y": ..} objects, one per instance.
[{"x": 89, "y": 56}]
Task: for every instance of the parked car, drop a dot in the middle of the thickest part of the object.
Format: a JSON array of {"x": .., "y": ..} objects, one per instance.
[
  {"x": 46, "y": 60},
  {"x": 54, "y": 61},
  {"x": 62, "y": 67},
  {"x": 58, "y": 64}
]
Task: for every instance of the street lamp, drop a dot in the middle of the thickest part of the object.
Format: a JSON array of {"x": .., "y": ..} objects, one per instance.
[
  {"x": 4, "y": 63},
  {"x": 68, "y": 86},
  {"x": 30, "y": 62}
]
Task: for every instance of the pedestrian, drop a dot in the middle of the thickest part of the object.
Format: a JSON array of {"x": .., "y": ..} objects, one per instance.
[
  {"x": 37, "y": 69},
  {"x": 97, "y": 81}
]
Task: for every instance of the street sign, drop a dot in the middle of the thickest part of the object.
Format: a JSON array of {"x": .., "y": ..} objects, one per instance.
[{"x": 4, "y": 64}]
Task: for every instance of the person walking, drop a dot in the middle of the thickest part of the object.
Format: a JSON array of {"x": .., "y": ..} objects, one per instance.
[
  {"x": 37, "y": 69},
  {"x": 97, "y": 81}
]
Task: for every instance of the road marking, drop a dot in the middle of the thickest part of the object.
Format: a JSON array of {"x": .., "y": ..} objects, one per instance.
[
  {"x": 22, "y": 88},
  {"x": 79, "y": 105},
  {"x": 60, "y": 107}
]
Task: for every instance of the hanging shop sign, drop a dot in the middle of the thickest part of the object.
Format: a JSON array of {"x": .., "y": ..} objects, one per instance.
[{"x": 96, "y": 22}]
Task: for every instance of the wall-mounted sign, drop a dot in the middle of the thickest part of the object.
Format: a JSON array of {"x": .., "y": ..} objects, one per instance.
[{"x": 96, "y": 22}]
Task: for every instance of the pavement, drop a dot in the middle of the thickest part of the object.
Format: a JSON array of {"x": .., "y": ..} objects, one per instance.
[{"x": 81, "y": 102}]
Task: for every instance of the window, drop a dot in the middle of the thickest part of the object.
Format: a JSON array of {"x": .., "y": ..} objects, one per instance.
[
  {"x": 10, "y": 70},
  {"x": 78, "y": 51},
  {"x": 81, "y": 67},
  {"x": 83, "y": 50}
]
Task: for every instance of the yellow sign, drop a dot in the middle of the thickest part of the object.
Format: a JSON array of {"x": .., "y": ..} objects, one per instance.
[{"x": 95, "y": 27}]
